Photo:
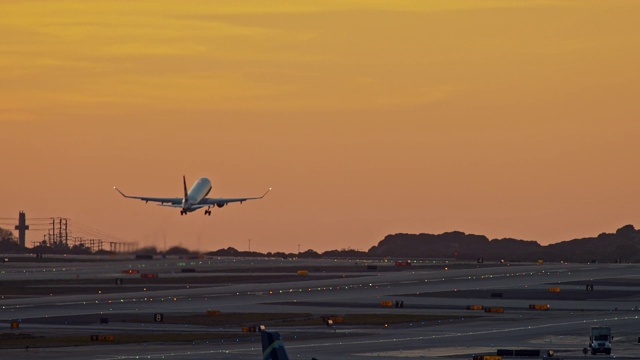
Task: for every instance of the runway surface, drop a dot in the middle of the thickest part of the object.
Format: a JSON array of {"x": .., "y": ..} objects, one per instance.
[{"x": 589, "y": 294}]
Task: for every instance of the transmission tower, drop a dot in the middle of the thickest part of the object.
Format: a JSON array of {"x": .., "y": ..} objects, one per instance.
[{"x": 22, "y": 227}]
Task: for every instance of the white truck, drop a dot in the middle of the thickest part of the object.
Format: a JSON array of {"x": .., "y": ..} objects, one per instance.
[{"x": 600, "y": 340}]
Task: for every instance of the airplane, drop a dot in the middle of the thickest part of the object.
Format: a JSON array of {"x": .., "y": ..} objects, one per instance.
[
  {"x": 273, "y": 346},
  {"x": 194, "y": 199}
]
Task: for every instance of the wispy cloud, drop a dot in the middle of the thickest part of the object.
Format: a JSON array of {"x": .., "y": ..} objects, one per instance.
[{"x": 267, "y": 55}]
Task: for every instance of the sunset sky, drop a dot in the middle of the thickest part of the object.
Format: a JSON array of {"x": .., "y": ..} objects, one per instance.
[{"x": 501, "y": 118}]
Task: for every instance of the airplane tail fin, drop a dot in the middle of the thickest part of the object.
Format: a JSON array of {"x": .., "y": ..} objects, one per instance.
[
  {"x": 272, "y": 346},
  {"x": 184, "y": 182}
]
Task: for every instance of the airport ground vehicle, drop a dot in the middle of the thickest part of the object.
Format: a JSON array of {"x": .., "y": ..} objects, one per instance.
[{"x": 600, "y": 340}]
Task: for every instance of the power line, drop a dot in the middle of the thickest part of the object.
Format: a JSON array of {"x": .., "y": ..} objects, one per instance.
[{"x": 94, "y": 231}]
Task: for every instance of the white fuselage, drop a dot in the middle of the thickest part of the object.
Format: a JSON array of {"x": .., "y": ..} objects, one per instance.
[{"x": 198, "y": 191}]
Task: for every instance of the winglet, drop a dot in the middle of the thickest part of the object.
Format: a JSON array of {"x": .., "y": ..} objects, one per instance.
[
  {"x": 265, "y": 194},
  {"x": 121, "y": 193}
]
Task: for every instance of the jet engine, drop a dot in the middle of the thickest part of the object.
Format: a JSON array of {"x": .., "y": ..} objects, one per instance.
[{"x": 220, "y": 204}]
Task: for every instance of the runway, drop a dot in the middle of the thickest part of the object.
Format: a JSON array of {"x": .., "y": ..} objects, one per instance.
[{"x": 334, "y": 287}]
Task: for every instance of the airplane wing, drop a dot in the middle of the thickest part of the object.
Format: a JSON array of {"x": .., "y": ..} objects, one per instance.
[
  {"x": 223, "y": 201},
  {"x": 172, "y": 201}
]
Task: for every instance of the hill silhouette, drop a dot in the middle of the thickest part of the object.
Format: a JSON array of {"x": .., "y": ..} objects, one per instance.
[{"x": 623, "y": 245}]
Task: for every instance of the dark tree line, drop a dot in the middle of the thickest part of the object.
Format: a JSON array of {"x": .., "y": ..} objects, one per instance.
[
  {"x": 9, "y": 244},
  {"x": 623, "y": 245}
]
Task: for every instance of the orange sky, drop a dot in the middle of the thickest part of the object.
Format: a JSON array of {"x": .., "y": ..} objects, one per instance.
[{"x": 503, "y": 118}]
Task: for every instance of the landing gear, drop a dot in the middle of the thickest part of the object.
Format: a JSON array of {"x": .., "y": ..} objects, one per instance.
[
  {"x": 207, "y": 212},
  {"x": 183, "y": 212}
]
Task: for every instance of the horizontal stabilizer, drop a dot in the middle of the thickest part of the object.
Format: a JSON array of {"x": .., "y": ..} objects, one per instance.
[{"x": 194, "y": 207}]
